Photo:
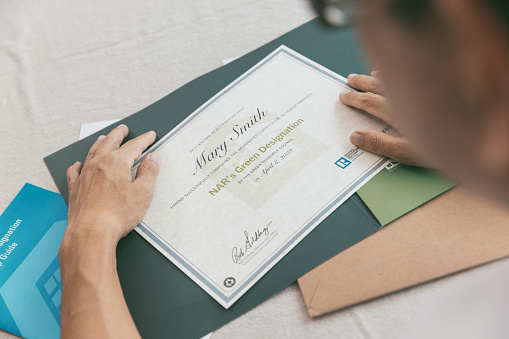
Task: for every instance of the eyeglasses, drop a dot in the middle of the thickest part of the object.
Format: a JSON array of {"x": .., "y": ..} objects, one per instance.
[{"x": 336, "y": 13}]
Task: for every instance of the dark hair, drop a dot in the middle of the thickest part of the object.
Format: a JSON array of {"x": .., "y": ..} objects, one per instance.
[
  {"x": 501, "y": 7},
  {"x": 417, "y": 13},
  {"x": 414, "y": 14}
]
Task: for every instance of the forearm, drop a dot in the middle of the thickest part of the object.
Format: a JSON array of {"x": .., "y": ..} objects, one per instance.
[
  {"x": 93, "y": 305},
  {"x": 105, "y": 204}
]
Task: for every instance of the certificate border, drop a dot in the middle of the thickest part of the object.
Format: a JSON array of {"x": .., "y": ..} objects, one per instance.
[{"x": 172, "y": 253}]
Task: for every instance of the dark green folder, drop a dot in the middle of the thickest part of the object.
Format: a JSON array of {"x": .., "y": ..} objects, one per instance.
[{"x": 163, "y": 301}]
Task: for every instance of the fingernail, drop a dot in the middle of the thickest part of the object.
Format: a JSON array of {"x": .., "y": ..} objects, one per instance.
[
  {"x": 155, "y": 158},
  {"x": 357, "y": 139},
  {"x": 351, "y": 76},
  {"x": 101, "y": 137}
]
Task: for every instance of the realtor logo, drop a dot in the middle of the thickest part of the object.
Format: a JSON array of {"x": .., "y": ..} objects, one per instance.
[
  {"x": 392, "y": 165},
  {"x": 343, "y": 163}
]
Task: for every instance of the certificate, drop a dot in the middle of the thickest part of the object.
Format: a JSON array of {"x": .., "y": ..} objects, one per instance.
[{"x": 253, "y": 170}]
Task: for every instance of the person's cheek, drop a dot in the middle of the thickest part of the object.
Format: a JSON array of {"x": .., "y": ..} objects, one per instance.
[
  {"x": 406, "y": 69},
  {"x": 388, "y": 55}
]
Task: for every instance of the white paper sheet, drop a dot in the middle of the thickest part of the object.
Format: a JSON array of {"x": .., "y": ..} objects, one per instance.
[
  {"x": 90, "y": 128},
  {"x": 228, "y": 60}
]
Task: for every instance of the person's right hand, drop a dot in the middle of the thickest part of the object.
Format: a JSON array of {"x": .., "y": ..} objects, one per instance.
[
  {"x": 105, "y": 203},
  {"x": 103, "y": 197},
  {"x": 372, "y": 101}
]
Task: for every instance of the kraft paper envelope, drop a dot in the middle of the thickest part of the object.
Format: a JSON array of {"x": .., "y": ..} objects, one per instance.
[{"x": 456, "y": 231}]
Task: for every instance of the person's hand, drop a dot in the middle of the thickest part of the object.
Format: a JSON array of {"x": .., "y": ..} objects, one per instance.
[
  {"x": 375, "y": 103},
  {"x": 105, "y": 203},
  {"x": 103, "y": 198}
]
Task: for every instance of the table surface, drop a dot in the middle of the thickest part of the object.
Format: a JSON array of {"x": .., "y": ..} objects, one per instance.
[{"x": 65, "y": 63}]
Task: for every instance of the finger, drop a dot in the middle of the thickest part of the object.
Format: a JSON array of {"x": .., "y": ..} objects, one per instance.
[
  {"x": 113, "y": 140},
  {"x": 73, "y": 173},
  {"x": 374, "y": 104},
  {"x": 375, "y": 74},
  {"x": 148, "y": 171},
  {"x": 366, "y": 83},
  {"x": 95, "y": 146},
  {"x": 135, "y": 147},
  {"x": 377, "y": 142}
]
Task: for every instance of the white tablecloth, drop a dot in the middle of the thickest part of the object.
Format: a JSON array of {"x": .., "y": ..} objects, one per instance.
[{"x": 64, "y": 63}]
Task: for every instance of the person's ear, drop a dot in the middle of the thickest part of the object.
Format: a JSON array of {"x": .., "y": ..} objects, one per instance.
[
  {"x": 481, "y": 41},
  {"x": 492, "y": 154}
]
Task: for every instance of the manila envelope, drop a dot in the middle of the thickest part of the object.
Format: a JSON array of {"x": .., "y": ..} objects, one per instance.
[{"x": 456, "y": 231}]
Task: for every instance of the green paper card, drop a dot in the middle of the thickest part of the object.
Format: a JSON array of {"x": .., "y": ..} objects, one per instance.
[{"x": 399, "y": 189}]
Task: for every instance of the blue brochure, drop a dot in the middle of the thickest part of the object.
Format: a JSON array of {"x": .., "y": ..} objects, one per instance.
[{"x": 31, "y": 229}]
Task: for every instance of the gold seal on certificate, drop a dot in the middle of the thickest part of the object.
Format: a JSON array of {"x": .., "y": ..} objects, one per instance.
[{"x": 252, "y": 171}]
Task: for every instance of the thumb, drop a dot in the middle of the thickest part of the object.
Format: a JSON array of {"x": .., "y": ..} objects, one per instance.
[
  {"x": 149, "y": 169},
  {"x": 396, "y": 148}
]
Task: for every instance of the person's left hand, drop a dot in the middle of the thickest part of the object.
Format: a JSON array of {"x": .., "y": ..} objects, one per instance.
[{"x": 375, "y": 103}]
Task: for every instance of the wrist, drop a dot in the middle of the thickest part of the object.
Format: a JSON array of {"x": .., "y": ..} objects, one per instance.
[
  {"x": 88, "y": 238},
  {"x": 99, "y": 228}
]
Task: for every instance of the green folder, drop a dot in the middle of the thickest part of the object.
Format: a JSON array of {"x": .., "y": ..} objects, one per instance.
[
  {"x": 399, "y": 189},
  {"x": 163, "y": 301}
]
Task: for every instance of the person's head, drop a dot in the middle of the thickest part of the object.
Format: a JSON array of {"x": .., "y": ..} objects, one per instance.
[{"x": 445, "y": 65}]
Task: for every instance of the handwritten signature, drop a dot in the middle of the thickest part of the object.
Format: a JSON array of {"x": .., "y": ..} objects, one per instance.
[{"x": 249, "y": 241}]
